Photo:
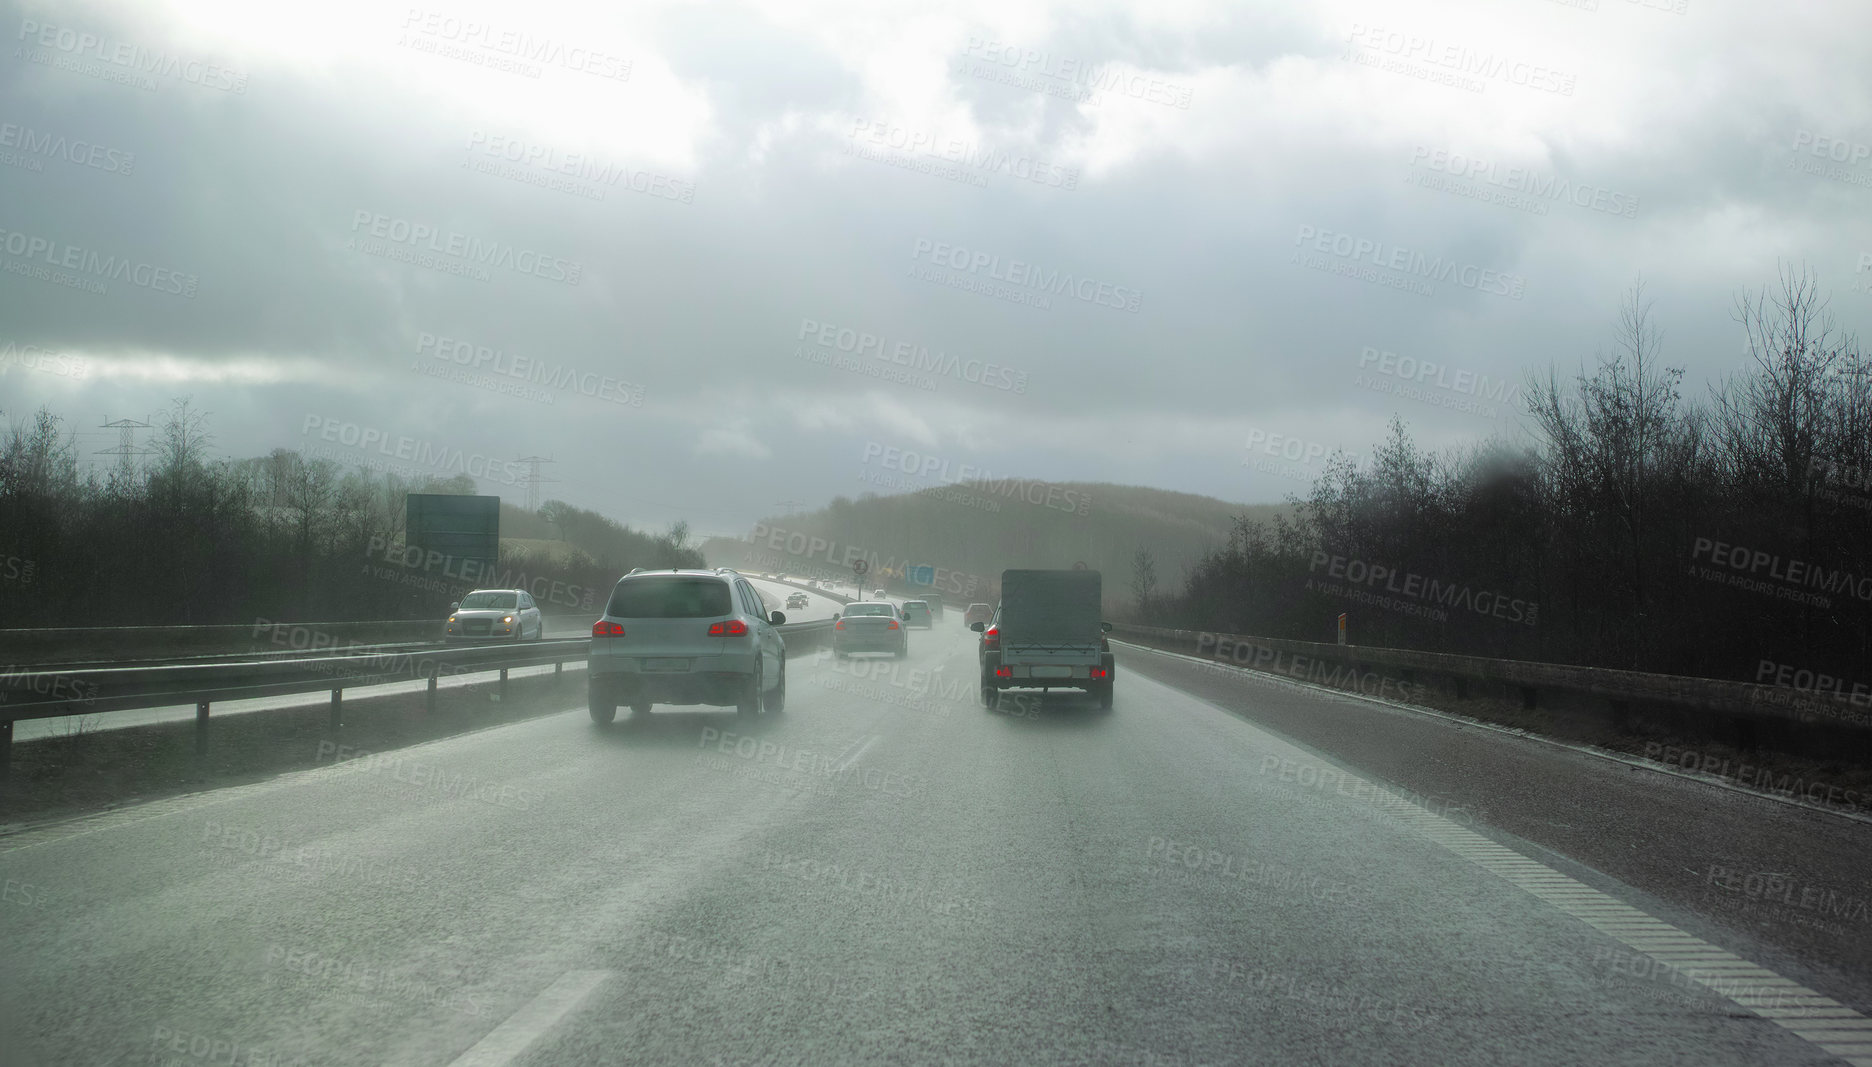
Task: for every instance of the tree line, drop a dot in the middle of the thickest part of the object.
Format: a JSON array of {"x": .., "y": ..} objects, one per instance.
[
  {"x": 1632, "y": 527},
  {"x": 189, "y": 539}
]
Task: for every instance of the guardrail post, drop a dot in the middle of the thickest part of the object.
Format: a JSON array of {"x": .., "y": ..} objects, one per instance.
[
  {"x": 201, "y": 728},
  {"x": 337, "y": 708},
  {"x": 503, "y": 684},
  {"x": 558, "y": 668},
  {"x": 6, "y": 750},
  {"x": 430, "y": 707}
]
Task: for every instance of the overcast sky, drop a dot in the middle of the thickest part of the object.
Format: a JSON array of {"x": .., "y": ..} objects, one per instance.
[{"x": 1103, "y": 243}]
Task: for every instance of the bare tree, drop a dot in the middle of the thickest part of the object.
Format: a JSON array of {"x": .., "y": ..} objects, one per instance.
[
  {"x": 37, "y": 462},
  {"x": 1143, "y": 581},
  {"x": 1772, "y": 423},
  {"x": 1608, "y": 443},
  {"x": 182, "y": 450}
]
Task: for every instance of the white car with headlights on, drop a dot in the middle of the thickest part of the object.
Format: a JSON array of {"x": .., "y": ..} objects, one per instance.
[{"x": 495, "y": 615}]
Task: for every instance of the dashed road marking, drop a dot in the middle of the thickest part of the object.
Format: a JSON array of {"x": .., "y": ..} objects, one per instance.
[
  {"x": 1813, "y": 1017},
  {"x": 507, "y": 1041}
]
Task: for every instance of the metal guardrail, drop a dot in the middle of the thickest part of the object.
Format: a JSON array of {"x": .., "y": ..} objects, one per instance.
[
  {"x": 27, "y": 693},
  {"x": 1620, "y": 689},
  {"x": 31, "y": 645}
]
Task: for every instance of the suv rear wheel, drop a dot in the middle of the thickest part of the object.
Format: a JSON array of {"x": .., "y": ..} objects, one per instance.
[
  {"x": 603, "y": 709},
  {"x": 750, "y": 701},
  {"x": 775, "y": 699}
]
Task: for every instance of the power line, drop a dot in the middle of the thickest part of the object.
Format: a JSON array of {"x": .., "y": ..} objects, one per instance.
[
  {"x": 534, "y": 478},
  {"x": 126, "y": 445}
]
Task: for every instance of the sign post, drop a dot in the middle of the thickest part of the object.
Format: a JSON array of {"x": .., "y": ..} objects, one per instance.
[{"x": 859, "y": 567}]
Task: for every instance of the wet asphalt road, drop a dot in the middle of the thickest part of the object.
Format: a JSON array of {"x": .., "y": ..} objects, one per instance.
[{"x": 888, "y": 873}]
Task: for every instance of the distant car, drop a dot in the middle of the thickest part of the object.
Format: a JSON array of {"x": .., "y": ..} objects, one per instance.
[
  {"x": 685, "y": 637},
  {"x": 796, "y": 601},
  {"x": 878, "y": 594},
  {"x": 977, "y": 613},
  {"x": 495, "y": 615},
  {"x": 990, "y": 630},
  {"x": 917, "y": 613},
  {"x": 869, "y": 626}
]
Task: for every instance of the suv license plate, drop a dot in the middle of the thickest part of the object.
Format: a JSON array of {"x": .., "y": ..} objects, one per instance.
[
  {"x": 665, "y": 664},
  {"x": 1051, "y": 672}
]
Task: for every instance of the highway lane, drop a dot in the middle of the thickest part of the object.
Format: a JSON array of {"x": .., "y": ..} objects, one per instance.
[{"x": 883, "y": 873}]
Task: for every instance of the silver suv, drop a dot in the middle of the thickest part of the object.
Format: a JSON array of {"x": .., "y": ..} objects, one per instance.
[
  {"x": 686, "y": 637},
  {"x": 495, "y": 615}
]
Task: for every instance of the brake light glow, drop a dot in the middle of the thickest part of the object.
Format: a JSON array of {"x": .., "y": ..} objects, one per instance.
[
  {"x": 731, "y": 628},
  {"x": 839, "y": 625},
  {"x": 601, "y": 628},
  {"x": 991, "y": 637},
  {"x": 893, "y": 624},
  {"x": 1100, "y": 672},
  {"x": 1004, "y": 672}
]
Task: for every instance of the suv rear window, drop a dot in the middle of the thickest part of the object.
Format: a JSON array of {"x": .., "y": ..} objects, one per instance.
[
  {"x": 670, "y": 598},
  {"x": 484, "y": 601}
]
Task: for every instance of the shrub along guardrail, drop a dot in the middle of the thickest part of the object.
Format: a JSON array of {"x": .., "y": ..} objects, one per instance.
[{"x": 1745, "y": 713}]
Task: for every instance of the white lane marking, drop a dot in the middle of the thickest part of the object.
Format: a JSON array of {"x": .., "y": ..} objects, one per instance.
[
  {"x": 853, "y": 758},
  {"x": 1760, "y": 990},
  {"x": 1585, "y": 750},
  {"x": 508, "y": 1040}
]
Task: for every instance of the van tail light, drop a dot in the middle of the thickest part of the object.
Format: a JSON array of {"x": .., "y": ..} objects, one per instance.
[
  {"x": 731, "y": 628},
  {"x": 601, "y": 628},
  {"x": 1100, "y": 672},
  {"x": 1004, "y": 672}
]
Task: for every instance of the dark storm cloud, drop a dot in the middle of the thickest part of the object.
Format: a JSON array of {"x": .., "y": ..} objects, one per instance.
[{"x": 1259, "y": 240}]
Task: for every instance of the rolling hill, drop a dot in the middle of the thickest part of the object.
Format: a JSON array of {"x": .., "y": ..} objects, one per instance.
[{"x": 973, "y": 531}]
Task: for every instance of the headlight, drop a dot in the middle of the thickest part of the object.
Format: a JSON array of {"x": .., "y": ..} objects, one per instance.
[{"x": 507, "y": 618}]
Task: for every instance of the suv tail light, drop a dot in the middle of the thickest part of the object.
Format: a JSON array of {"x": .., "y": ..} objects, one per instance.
[
  {"x": 731, "y": 628},
  {"x": 991, "y": 637},
  {"x": 601, "y": 628}
]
